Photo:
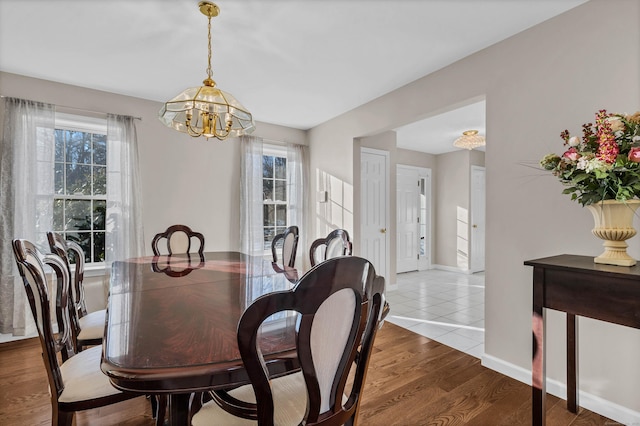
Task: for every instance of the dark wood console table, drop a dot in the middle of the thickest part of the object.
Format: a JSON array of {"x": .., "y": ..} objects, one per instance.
[{"x": 578, "y": 286}]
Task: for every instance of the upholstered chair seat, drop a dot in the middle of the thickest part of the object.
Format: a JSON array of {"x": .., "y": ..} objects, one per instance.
[
  {"x": 289, "y": 399},
  {"x": 92, "y": 325},
  {"x": 83, "y": 378}
]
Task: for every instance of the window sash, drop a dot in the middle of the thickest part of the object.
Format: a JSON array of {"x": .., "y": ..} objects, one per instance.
[{"x": 91, "y": 237}]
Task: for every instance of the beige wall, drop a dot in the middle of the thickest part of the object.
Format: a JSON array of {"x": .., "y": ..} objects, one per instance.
[
  {"x": 553, "y": 76},
  {"x": 185, "y": 180},
  {"x": 452, "y": 195},
  {"x": 453, "y": 198},
  {"x": 193, "y": 181}
]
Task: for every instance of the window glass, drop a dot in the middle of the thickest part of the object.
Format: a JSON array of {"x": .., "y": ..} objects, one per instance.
[
  {"x": 79, "y": 205},
  {"x": 280, "y": 165},
  {"x": 274, "y": 188},
  {"x": 267, "y": 166},
  {"x": 267, "y": 189},
  {"x": 281, "y": 190}
]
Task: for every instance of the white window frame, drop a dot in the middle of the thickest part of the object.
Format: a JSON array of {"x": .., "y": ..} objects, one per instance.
[
  {"x": 276, "y": 151},
  {"x": 86, "y": 124}
]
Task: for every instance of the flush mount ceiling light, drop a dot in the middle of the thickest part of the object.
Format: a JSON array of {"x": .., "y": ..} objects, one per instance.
[
  {"x": 469, "y": 140},
  {"x": 206, "y": 110}
]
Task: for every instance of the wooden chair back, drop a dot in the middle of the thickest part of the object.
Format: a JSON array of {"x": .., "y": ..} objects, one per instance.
[
  {"x": 337, "y": 243},
  {"x": 178, "y": 241},
  {"x": 86, "y": 387},
  {"x": 338, "y": 304},
  {"x": 288, "y": 240},
  {"x": 177, "y": 266},
  {"x": 31, "y": 265},
  {"x": 58, "y": 245}
]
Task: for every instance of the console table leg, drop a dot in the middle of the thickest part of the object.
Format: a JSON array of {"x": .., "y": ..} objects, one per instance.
[
  {"x": 572, "y": 363},
  {"x": 538, "y": 363}
]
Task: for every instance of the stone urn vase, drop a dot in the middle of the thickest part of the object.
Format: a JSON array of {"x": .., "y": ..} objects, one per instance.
[{"x": 614, "y": 224}]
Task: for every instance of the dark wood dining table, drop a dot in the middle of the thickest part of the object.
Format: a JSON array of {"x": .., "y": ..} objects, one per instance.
[{"x": 171, "y": 324}]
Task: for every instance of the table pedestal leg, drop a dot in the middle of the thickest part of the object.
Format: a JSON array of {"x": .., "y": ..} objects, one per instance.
[{"x": 179, "y": 409}]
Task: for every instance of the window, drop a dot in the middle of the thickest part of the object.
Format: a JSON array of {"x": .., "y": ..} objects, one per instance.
[
  {"x": 274, "y": 189},
  {"x": 80, "y": 198}
]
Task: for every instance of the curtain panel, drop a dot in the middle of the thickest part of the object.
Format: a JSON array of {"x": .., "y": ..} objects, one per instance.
[
  {"x": 125, "y": 235},
  {"x": 251, "y": 196},
  {"x": 26, "y": 199},
  {"x": 27, "y": 188},
  {"x": 299, "y": 207}
]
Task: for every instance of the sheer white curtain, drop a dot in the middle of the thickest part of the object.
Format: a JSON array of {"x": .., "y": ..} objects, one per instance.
[
  {"x": 299, "y": 211},
  {"x": 26, "y": 199},
  {"x": 125, "y": 237},
  {"x": 251, "y": 196}
]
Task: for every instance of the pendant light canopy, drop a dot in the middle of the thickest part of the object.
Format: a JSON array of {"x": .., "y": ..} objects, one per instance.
[
  {"x": 206, "y": 110},
  {"x": 470, "y": 139}
]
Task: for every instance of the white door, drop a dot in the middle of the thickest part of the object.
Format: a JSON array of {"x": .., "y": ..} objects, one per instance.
[
  {"x": 478, "y": 205},
  {"x": 407, "y": 215},
  {"x": 424, "y": 246},
  {"x": 373, "y": 206}
]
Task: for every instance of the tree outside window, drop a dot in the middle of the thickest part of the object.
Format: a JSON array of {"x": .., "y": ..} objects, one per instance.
[
  {"x": 80, "y": 200},
  {"x": 274, "y": 188}
]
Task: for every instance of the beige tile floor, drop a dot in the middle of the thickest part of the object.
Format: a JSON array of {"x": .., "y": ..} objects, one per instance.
[{"x": 447, "y": 307}]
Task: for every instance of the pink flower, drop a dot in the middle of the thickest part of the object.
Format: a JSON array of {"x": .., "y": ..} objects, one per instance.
[
  {"x": 608, "y": 147},
  {"x": 634, "y": 154},
  {"x": 572, "y": 154}
]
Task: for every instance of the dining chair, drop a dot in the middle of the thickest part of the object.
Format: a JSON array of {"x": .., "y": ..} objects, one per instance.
[
  {"x": 337, "y": 243},
  {"x": 338, "y": 304},
  {"x": 177, "y": 266},
  {"x": 288, "y": 240},
  {"x": 76, "y": 383},
  {"x": 88, "y": 328},
  {"x": 178, "y": 240}
]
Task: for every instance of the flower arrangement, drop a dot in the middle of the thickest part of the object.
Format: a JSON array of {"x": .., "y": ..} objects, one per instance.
[{"x": 603, "y": 164}]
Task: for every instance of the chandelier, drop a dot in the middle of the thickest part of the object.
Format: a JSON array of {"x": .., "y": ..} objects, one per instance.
[
  {"x": 206, "y": 110},
  {"x": 470, "y": 139}
]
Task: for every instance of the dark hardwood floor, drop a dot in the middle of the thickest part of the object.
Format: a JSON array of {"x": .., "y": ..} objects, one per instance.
[{"x": 412, "y": 381}]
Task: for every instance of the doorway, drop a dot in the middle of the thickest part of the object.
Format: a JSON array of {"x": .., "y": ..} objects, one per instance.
[
  {"x": 413, "y": 216},
  {"x": 374, "y": 184},
  {"x": 478, "y": 206}
]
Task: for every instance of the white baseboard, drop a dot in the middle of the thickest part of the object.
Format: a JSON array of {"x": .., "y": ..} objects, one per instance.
[
  {"x": 451, "y": 269},
  {"x": 591, "y": 402}
]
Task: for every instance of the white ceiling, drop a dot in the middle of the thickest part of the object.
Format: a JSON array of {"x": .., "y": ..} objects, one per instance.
[
  {"x": 436, "y": 134},
  {"x": 296, "y": 63}
]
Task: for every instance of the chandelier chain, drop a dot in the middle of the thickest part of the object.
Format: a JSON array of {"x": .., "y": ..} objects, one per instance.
[{"x": 209, "y": 72}]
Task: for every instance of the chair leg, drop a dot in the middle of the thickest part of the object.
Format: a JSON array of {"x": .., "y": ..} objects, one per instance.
[
  {"x": 154, "y": 405},
  {"x": 64, "y": 418}
]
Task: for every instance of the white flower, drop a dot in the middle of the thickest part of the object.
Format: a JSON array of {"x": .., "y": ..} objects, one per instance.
[
  {"x": 582, "y": 164},
  {"x": 574, "y": 141},
  {"x": 636, "y": 139}
]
